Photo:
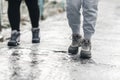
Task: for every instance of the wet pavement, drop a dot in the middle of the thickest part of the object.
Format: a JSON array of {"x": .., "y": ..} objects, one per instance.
[{"x": 49, "y": 60}]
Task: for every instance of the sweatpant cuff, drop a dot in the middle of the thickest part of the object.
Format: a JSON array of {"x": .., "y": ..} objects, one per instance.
[
  {"x": 88, "y": 36},
  {"x": 75, "y": 30}
]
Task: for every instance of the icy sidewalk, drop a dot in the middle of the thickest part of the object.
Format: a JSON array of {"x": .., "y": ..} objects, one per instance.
[{"x": 49, "y": 60}]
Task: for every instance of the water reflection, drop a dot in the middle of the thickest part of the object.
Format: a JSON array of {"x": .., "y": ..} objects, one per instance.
[
  {"x": 22, "y": 69},
  {"x": 76, "y": 58},
  {"x": 14, "y": 65},
  {"x": 34, "y": 69}
]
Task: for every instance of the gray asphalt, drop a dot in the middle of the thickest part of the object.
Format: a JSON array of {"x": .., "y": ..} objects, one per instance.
[{"x": 49, "y": 60}]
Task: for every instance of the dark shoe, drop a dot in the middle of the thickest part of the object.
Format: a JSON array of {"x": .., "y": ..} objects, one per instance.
[
  {"x": 76, "y": 43},
  {"x": 35, "y": 35},
  {"x": 85, "y": 49},
  {"x": 15, "y": 38}
]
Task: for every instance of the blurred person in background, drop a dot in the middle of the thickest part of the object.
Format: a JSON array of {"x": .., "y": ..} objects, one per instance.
[
  {"x": 14, "y": 19},
  {"x": 89, "y": 11}
]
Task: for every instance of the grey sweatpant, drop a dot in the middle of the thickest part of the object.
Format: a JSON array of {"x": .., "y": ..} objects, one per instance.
[{"x": 89, "y": 11}]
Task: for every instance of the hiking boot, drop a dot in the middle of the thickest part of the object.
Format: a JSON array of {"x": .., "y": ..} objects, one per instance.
[
  {"x": 35, "y": 35},
  {"x": 85, "y": 49},
  {"x": 15, "y": 38},
  {"x": 76, "y": 43}
]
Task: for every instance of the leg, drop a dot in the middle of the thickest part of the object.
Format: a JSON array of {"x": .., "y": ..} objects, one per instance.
[
  {"x": 90, "y": 16},
  {"x": 41, "y": 8},
  {"x": 14, "y": 18},
  {"x": 33, "y": 12},
  {"x": 73, "y": 15},
  {"x": 34, "y": 16},
  {"x": 14, "y": 14}
]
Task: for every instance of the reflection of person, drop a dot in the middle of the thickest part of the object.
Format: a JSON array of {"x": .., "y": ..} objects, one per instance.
[
  {"x": 14, "y": 19},
  {"x": 89, "y": 11}
]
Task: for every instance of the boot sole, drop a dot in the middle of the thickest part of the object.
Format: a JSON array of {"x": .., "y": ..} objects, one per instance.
[
  {"x": 35, "y": 41},
  {"x": 85, "y": 54},
  {"x": 13, "y": 43}
]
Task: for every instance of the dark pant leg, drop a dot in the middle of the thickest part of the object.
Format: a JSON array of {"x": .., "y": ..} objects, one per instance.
[
  {"x": 33, "y": 12},
  {"x": 14, "y": 14}
]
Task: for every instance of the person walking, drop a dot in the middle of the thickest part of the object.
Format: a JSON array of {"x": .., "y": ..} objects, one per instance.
[
  {"x": 89, "y": 9},
  {"x": 14, "y": 19}
]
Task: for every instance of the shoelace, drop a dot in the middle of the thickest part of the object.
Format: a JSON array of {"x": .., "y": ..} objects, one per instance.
[
  {"x": 86, "y": 42},
  {"x": 75, "y": 38}
]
